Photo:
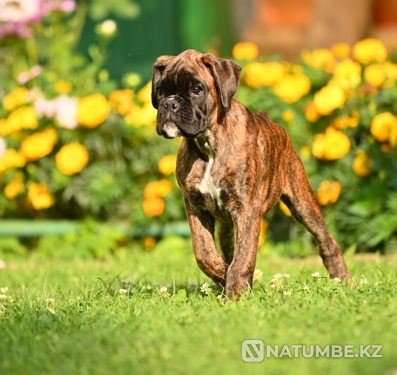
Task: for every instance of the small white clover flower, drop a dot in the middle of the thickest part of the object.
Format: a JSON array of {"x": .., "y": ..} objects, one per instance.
[
  {"x": 205, "y": 288},
  {"x": 278, "y": 276},
  {"x": 286, "y": 275},
  {"x": 287, "y": 293},
  {"x": 258, "y": 275},
  {"x": 2, "y": 307},
  {"x": 363, "y": 281},
  {"x": 123, "y": 291},
  {"x": 2, "y": 264},
  {"x": 220, "y": 296},
  {"x": 79, "y": 297},
  {"x": 315, "y": 274},
  {"x": 4, "y": 290},
  {"x": 273, "y": 286},
  {"x": 3, "y": 296},
  {"x": 306, "y": 287},
  {"x": 148, "y": 287},
  {"x": 337, "y": 279},
  {"x": 108, "y": 27},
  {"x": 50, "y": 300},
  {"x": 164, "y": 292},
  {"x": 376, "y": 283},
  {"x": 274, "y": 280},
  {"x": 51, "y": 311}
]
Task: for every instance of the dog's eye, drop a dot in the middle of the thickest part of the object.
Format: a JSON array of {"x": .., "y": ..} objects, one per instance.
[
  {"x": 160, "y": 91},
  {"x": 196, "y": 90}
]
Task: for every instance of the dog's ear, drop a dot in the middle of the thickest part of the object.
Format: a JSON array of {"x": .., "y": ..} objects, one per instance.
[
  {"x": 226, "y": 75},
  {"x": 158, "y": 68}
]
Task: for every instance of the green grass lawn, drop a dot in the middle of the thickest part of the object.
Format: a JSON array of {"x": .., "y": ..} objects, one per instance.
[{"x": 96, "y": 330}]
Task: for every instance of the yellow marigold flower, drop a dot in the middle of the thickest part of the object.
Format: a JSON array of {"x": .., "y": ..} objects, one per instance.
[
  {"x": 284, "y": 208},
  {"x": 245, "y": 51},
  {"x": 121, "y": 100},
  {"x": 71, "y": 158},
  {"x": 390, "y": 70},
  {"x": 332, "y": 145},
  {"x": 288, "y": 116},
  {"x": 262, "y": 235},
  {"x": 296, "y": 69},
  {"x": 264, "y": 74},
  {"x": 362, "y": 165},
  {"x": 369, "y": 50},
  {"x": 38, "y": 145},
  {"x": 383, "y": 125},
  {"x": 149, "y": 243},
  {"x": 328, "y": 99},
  {"x": 375, "y": 74},
  {"x": 328, "y": 192},
  {"x": 347, "y": 73},
  {"x": 341, "y": 50},
  {"x": 157, "y": 188},
  {"x": 21, "y": 118},
  {"x": 305, "y": 152},
  {"x": 292, "y": 87},
  {"x": 145, "y": 94},
  {"x": 15, "y": 187},
  {"x": 62, "y": 87},
  {"x": 16, "y": 98},
  {"x": 167, "y": 164},
  {"x": 39, "y": 196},
  {"x": 320, "y": 58},
  {"x": 93, "y": 110},
  {"x": 311, "y": 112},
  {"x": 11, "y": 159},
  {"x": 153, "y": 206},
  {"x": 139, "y": 116}
]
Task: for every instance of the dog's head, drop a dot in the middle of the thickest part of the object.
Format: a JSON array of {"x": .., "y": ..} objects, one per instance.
[{"x": 190, "y": 91}]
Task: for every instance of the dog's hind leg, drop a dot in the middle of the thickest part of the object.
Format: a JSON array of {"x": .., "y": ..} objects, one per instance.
[
  {"x": 226, "y": 241},
  {"x": 302, "y": 202},
  {"x": 202, "y": 227}
]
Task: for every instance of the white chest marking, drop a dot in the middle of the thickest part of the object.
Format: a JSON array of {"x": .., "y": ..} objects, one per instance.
[{"x": 207, "y": 184}]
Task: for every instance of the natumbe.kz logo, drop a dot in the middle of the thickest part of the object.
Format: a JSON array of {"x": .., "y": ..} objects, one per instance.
[{"x": 257, "y": 351}]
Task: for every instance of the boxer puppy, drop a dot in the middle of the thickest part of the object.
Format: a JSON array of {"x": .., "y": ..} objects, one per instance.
[{"x": 233, "y": 166}]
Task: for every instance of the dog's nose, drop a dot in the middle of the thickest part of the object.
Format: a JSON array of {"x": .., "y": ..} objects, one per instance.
[{"x": 171, "y": 104}]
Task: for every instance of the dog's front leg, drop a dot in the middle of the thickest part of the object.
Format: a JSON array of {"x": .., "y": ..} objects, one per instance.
[
  {"x": 247, "y": 225},
  {"x": 202, "y": 227}
]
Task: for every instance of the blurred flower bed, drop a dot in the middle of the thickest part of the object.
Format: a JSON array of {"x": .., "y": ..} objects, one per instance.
[{"x": 76, "y": 144}]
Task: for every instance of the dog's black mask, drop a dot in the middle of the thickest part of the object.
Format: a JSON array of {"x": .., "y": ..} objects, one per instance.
[{"x": 183, "y": 90}]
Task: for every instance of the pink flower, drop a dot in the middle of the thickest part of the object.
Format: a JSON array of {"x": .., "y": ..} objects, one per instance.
[
  {"x": 63, "y": 6},
  {"x": 3, "y": 146},
  {"x": 20, "y": 11},
  {"x": 66, "y": 112},
  {"x": 46, "y": 108},
  {"x": 30, "y": 74}
]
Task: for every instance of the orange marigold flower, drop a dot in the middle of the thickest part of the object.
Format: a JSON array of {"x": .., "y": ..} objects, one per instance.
[
  {"x": 39, "y": 196},
  {"x": 362, "y": 165},
  {"x": 39, "y": 144},
  {"x": 311, "y": 112},
  {"x": 390, "y": 70},
  {"x": 347, "y": 73},
  {"x": 16, "y": 98},
  {"x": 139, "y": 116},
  {"x": 320, "y": 58},
  {"x": 71, "y": 158},
  {"x": 284, "y": 208},
  {"x": 375, "y": 74},
  {"x": 328, "y": 99},
  {"x": 121, "y": 100},
  {"x": 149, "y": 243},
  {"x": 292, "y": 87},
  {"x": 347, "y": 121},
  {"x": 264, "y": 74},
  {"x": 167, "y": 164},
  {"x": 157, "y": 188},
  {"x": 262, "y": 235},
  {"x": 145, "y": 94},
  {"x": 369, "y": 50},
  {"x": 341, "y": 50},
  {"x": 383, "y": 125},
  {"x": 328, "y": 192},
  {"x": 332, "y": 145},
  {"x": 245, "y": 51},
  {"x": 62, "y": 87},
  {"x": 15, "y": 187},
  {"x": 153, "y": 206},
  {"x": 93, "y": 110}
]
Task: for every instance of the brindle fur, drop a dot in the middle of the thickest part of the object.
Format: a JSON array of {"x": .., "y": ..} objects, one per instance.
[{"x": 254, "y": 165}]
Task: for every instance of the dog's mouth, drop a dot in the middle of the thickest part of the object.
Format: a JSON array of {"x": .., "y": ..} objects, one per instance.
[{"x": 170, "y": 130}]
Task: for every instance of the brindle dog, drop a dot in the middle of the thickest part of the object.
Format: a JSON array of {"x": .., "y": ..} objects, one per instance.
[{"x": 233, "y": 166}]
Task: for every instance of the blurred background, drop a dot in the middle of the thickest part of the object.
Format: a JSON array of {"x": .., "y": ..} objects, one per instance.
[{"x": 83, "y": 171}]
